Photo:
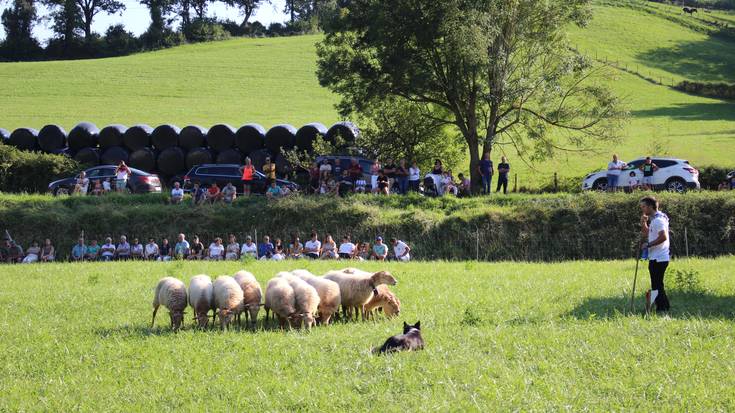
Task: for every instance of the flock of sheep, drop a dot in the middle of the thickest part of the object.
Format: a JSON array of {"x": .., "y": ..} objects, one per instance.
[{"x": 295, "y": 297}]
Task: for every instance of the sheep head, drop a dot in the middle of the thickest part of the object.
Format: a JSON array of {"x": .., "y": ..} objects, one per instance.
[
  {"x": 294, "y": 319},
  {"x": 225, "y": 317},
  {"x": 177, "y": 318},
  {"x": 383, "y": 277},
  {"x": 309, "y": 320},
  {"x": 202, "y": 320}
]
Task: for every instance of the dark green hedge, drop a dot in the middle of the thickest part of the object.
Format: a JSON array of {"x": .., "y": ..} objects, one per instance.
[
  {"x": 518, "y": 227},
  {"x": 22, "y": 171},
  {"x": 711, "y": 90}
]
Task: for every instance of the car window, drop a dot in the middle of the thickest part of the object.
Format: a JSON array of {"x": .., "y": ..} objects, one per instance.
[
  {"x": 202, "y": 171},
  {"x": 634, "y": 164},
  {"x": 664, "y": 163},
  {"x": 223, "y": 171},
  {"x": 366, "y": 166},
  {"x": 94, "y": 173}
]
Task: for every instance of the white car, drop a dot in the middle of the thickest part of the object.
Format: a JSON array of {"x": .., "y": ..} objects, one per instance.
[{"x": 675, "y": 175}]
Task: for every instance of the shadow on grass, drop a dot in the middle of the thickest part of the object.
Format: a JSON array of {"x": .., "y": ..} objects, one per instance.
[
  {"x": 709, "y": 59},
  {"x": 683, "y": 305},
  {"x": 691, "y": 111}
]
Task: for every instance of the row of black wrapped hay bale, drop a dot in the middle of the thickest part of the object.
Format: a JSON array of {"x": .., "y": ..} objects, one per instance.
[{"x": 169, "y": 150}]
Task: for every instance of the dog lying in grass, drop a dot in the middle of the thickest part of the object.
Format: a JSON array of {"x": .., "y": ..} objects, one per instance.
[{"x": 410, "y": 340}]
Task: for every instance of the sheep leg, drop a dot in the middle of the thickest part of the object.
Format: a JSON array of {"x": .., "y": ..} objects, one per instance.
[
  {"x": 155, "y": 310},
  {"x": 325, "y": 318}
]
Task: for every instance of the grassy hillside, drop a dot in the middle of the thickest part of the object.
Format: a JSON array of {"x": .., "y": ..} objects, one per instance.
[
  {"x": 499, "y": 337},
  {"x": 273, "y": 80}
]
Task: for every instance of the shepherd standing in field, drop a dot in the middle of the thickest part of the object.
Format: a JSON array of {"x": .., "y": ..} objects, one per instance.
[
  {"x": 614, "y": 168},
  {"x": 657, "y": 231}
]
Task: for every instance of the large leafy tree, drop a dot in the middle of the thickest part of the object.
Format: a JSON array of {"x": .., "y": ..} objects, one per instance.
[
  {"x": 91, "y": 8},
  {"x": 500, "y": 71},
  {"x": 246, "y": 7},
  {"x": 18, "y": 21}
]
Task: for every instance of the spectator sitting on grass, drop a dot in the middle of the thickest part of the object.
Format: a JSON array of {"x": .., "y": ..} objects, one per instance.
[
  {"x": 364, "y": 251},
  {"x": 213, "y": 193},
  {"x": 151, "y": 250},
  {"x": 375, "y": 169},
  {"x": 106, "y": 186},
  {"x": 383, "y": 184},
  {"x": 278, "y": 252},
  {"x": 216, "y": 250},
  {"x": 229, "y": 193},
  {"x": 361, "y": 185},
  {"x": 325, "y": 170},
  {"x": 108, "y": 250},
  {"x": 93, "y": 251},
  {"x": 32, "y": 253},
  {"x": 15, "y": 253},
  {"x": 723, "y": 186},
  {"x": 164, "y": 252},
  {"x": 345, "y": 184},
  {"x": 177, "y": 194},
  {"x": 48, "y": 252},
  {"x": 380, "y": 250},
  {"x": 633, "y": 181},
  {"x": 265, "y": 249},
  {"x": 448, "y": 184},
  {"x": 78, "y": 251},
  {"x": 355, "y": 170},
  {"x": 313, "y": 247},
  {"x": 97, "y": 188},
  {"x": 198, "y": 194},
  {"x": 465, "y": 187},
  {"x": 181, "y": 249},
  {"x": 233, "y": 249},
  {"x": 196, "y": 252},
  {"x": 401, "y": 250},
  {"x": 274, "y": 191},
  {"x": 249, "y": 249},
  {"x": 122, "y": 252},
  {"x": 329, "y": 248},
  {"x": 296, "y": 248},
  {"x": 136, "y": 250},
  {"x": 346, "y": 248}
]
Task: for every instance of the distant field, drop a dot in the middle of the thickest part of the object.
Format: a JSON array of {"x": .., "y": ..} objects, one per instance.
[
  {"x": 272, "y": 81},
  {"x": 500, "y": 337}
]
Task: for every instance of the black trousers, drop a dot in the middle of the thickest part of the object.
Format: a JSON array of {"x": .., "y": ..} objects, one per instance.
[
  {"x": 657, "y": 270},
  {"x": 502, "y": 181}
]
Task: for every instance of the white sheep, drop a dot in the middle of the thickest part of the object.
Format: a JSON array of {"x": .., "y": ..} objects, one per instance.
[
  {"x": 329, "y": 295},
  {"x": 303, "y": 274},
  {"x": 252, "y": 294},
  {"x": 228, "y": 299},
  {"x": 280, "y": 297},
  {"x": 170, "y": 293},
  {"x": 306, "y": 302},
  {"x": 356, "y": 287},
  {"x": 201, "y": 298}
]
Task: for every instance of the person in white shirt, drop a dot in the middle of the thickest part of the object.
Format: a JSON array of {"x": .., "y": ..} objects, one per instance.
[
  {"x": 325, "y": 170},
  {"x": 82, "y": 184},
  {"x": 249, "y": 249},
  {"x": 614, "y": 168},
  {"x": 401, "y": 250},
  {"x": 107, "y": 252},
  {"x": 177, "y": 194},
  {"x": 346, "y": 248},
  {"x": 414, "y": 177},
  {"x": 633, "y": 181},
  {"x": 233, "y": 249},
  {"x": 106, "y": 187},
  {"x": 216, "y": 250},
  {"x": 122, "y": 172},
  {"x": 151, "y": 250},
  {"x": 657, "y": 234},
  {"x": 313, "y": 247}
]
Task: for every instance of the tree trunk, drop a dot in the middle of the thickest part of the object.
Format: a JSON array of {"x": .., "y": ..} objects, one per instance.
[
  {"x": 87, "y": 25},
  {"x": 475, "y": 177},
  {"x": 248, "y": 14}
]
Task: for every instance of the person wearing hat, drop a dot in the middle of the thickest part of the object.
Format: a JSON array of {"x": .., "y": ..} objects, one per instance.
[
  {"x": 380, "y": 250},
  {"x": 269, "y": 169}
]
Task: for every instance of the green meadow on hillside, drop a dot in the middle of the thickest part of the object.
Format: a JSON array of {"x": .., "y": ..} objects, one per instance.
[
  {"x": 272, "y": 81},
  {"x": 499, "y": 337}
]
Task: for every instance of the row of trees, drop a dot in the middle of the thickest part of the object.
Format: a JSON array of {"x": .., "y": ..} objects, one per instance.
[{"x": 73, "y": 36}]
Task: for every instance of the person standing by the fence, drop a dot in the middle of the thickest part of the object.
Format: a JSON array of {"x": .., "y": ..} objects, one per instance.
[
  {"x": 657, "y": 233},
  {"x": 503, "y": 170},
  {"x": 614, "y": 168},
  {"x": 486, "y": 171}
]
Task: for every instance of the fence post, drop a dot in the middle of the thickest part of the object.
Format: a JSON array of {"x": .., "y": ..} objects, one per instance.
[
  {"x": 515, "y": 182},
  {"x": 477, "y": 243},
  {"x": 556, "y": 182},
  {"x": 686, "y": 242}
]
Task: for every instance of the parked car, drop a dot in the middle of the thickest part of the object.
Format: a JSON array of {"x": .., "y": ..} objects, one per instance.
[
  {"x": 675, "y": 175},
  {"x": 206, "y": 174},
  {"x": 139, "y": 182}
]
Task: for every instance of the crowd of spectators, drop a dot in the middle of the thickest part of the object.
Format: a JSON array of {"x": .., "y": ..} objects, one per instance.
[{"x": 11, "y": 252}]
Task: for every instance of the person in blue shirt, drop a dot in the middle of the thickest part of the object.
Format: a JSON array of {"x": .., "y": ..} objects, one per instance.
[
  {"x": 181, "y": 249},
  {"x": 274, "y": 191},
  {"x": 486, "y": 171},
  {"x": 198, "y": 194},
  {"x": 265, "y": 249},
  {"x": 77, "y": 253}
]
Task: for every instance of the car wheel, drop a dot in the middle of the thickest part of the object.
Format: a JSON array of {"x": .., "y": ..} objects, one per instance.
[
  {"x": 600, "y": 185},
  {"x": 61, "y": 191},
  {"x": 676, "y": 185}
]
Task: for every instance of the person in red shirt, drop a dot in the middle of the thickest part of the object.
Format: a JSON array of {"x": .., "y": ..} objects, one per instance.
[
  {"x": 247, "y": 171},
  {"x": 213, "y": 193},
  {"x": 355, "y": 170}
]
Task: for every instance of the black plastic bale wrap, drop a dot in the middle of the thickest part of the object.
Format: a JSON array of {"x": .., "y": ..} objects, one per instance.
[
  {"x": 229, "y": 156},
  {"x": 306, "y": 135},
  {"x": 4, "y": 136},
  {"x": 250, "y": 137},
  {"x": 165, "y": 136},
  {"x": 25, "y": 139},
  {"x": 84, "y": 135},
  {"x": 137, "y": 137},
  {"x": 221, "y": 137},
  {"x": 199, "y": 156},
  {"x": 88, "y": 156},
  {"x": 143, "y": 159},
  {"x": 112, "y": 135},
  {"x": 280, "y": 137},
  {"x": 192, "y": 136},
  {"x": 52, "y": 138},
  {"x": 348, "y": 130},
  {"x": 172, "y": 161},
  {"x": 113, "y": 155},
  {"x": 258, "y": 158}
]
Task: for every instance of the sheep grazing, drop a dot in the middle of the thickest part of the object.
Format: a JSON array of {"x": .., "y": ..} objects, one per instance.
[
  {"x": 329, "y": 295},
  {"x": 306, "y": 302},
  {"x": 201, "y": 299},
  {"x": 357, "y": 287},
  {"x": 384, "y": 299},
  {"x": 280, "y": 297},
  {"x": 228, "y": 299},
  {"x": 252, "y": 295},
  {"x": 170, "y": 293}
]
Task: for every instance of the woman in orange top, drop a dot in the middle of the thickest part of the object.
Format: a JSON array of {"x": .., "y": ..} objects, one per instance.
[{"x": 247, "y": 172}]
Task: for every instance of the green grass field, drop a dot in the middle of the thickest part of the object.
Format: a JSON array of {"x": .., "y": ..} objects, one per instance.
[
  {"x": 272, "y": 81},
  {"x": 500, "y": 337}
]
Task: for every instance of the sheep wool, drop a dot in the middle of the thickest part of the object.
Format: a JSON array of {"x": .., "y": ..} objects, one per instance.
[
  {"x": 386, "y": 300},
  {"x": 357, "y": 287},
  {"x": 280, "y": 297},
  {"x": 252, "y": 294},
  {"x": 201, "y": 298},
  {"x": 329, "y": 297},
  {"x": 306, "y": 302},
  {"x": 228, "y": 299},
  {"x": 170, "y": 293}
]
